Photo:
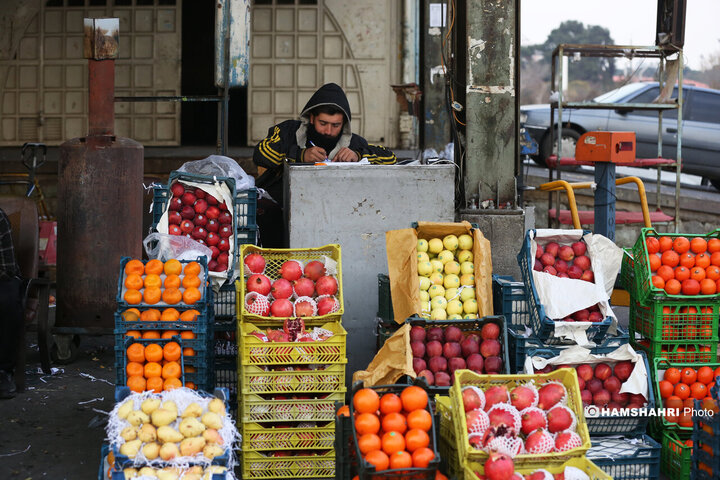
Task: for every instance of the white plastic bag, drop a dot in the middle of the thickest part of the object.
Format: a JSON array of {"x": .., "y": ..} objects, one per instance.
[
  {"x": 220, "y": 166},
  {"x": 164, "y": 246}
]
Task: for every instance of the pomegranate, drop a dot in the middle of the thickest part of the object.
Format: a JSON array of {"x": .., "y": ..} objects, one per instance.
[
  {"x": 326, "y": 305},
  {"x": 503, "y": 414},
  {"x": 257, "y": 304},
  {"x": 326, "y": 286},
  {"x": 496, "y": 394},
  {"x": 473, "y": 398},
  {"x": 305, "y": 307},
  {"x": 304, "y": 287},
  {"x": 281, "y": 288},
  {"x": 538, "y": 442},
  {"x": 281, "y": 308},
  {"x": 294, "y": 327},
  {"x": 550, "y": 394},
  {"x": 290, "y": 270},
  {"x": 560, "y": 418},
  {"x": 259, "y": 283},
  {"x": 499, "y": 467},
  {"x": 567, "y": 440},
  {"x": 477, "y": 421},
  {"x": 522, "y": 397},
  {"x": 314, "y": 270},
  {"x": 531, "y": 419}
]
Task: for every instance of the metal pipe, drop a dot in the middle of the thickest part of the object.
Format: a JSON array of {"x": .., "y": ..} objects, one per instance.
[
  {"x": 409, "y": 41},
  {"x": 101, "y": 108},
  {"x": 563, "y": 185},
  {"x": 641, "y": 194}
]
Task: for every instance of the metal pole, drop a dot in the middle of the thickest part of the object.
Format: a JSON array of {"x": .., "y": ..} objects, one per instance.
[{"x": 678, "y": 168}]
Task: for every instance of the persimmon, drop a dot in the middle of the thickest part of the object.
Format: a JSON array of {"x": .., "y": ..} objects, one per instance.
[
  {"x": 136, "y": 383},
  {"x": 393, "y": 442},
  {"x": 134, "y": 281},
  {"x": 379, "y": 459},
  {"x": 698, "y": 245},
  {"x": 666, "y": 388},
  {"x": 394, "y": 422},
  {"x": 170, "y": 315},
  {"x": 151, "y": 335},
  {"x": 702, "y": 260},
  {"x": 172, "y": 296},
  {"x": 390, "y": 403},
  {"x": 689, "y": 287},
  {"x": 191, "y": 296},
  {"x": 154, "y": 266},
  {"x": 191, "y": 281},
  {"x": 366, "y": 400},
  {"x": 129, "y": 315},
  {"x": 673, "y": 401},
  {"x": 134, "y": 369},
  {"x": 698, "y": 390},
  {"x": 681, "y": 273},
  {"x": 687, "y": 260},
  {"x": 416, "y": 438},
  {"x": 152, "y": 369},
  {"x": 172, "y": 281},
  {"x": 152, "y": 295},
  {"x": 369, "y": 442},
  {"x": 171, "y": 369},
  {"x": 344, "y": 411},
  {"x": 666, "y": 243},
  {"x": 413, "y": 398},
  {"x": 132, "y": 296},
  {"x": 672, "y": 375},
  {"x": 715, "y": 259},
  {"x": 191, "y": 385},
  {"x": 171, "y": 383},
  {"x": 136, "y": 353},
  {"x": 712, "y": 272},
  {"x": 688, "y": 375},
  {"x": 697, "y": 273},
  {"x": 666, "y": 272},
  {"x": 134, "y": 267},
  {"x": 367, "y": 423},
  {"x": 682, "y": 391},
  {"x": 658, "y": 282},
  {"x": 188, "y": 352},
  {"x": 653, "y": 245},
  {"x": 153, "y": 352},
  {"x": 670, "y": 258},
  {"x": 189, "y": 315},
  {"x": 654, "y": 262},
  {"x": 708, "y": 287},
  {"x": 169, "y": 333},
  {"x": 422, "y": 457},
  {"x": 681, "y": 244},
  {"x": 150, "y": 315},
  {"x": 705, "y": 375},
  {"x": 401, "y": 459},
  {"x": 152, "y": 281},
  {"x": 713, "y": 245},
  {"x": 155, "y": 384},
  {"x": 192, "y": 268},
  {"x": 172, "y": 267},
  {"x": 171, "y": 351},
  {"x": 673, "y": 287},
  {"x": 419, "y": 419}
]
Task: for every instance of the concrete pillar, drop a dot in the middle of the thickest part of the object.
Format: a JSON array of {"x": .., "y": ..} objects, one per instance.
[{"x": 435, "y": 124}]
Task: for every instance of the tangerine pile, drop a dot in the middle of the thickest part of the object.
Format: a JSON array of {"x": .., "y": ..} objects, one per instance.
[
  {"x": 684, "y": 267},
  {"x": 680, "y": 388},
  {"x": 153, "y": 367},
  {"x": 393, "y": 431},
  {"x": 167, "y": 315},
  {"x": 158, "y": 281}
]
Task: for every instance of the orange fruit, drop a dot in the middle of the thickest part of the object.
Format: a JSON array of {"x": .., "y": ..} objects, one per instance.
[
  {"x": 129, "y": 315},
  {"x": 674, "y": 401},
  {"x": 670, "y": 258},
  {"x": 653, "y": 245},
  {"x": 192, "y": 268},
  {"x": 154, "y": 266},
  {"x": 172, "y": 296},
  {"x": 697, "y": 273},
  {"x": 189, "y": 315},
  {"x": 419, "y": 419},
  {"x": 708, "y": 287},
  {"x": 132, "y": 296},
  {"x": 171, "y": 369},
  {"x": 133, "y": 369},
  {"x": 666, "y": 388},
  {"x": 712, "y": 272},
  {"x": 687, "y": 259},
  {"x": 172, "y": 383},
  {"x": 378, "y": 458},
  {"x": 416, "y": 438},
  {"x": 413, "y": 398},
  {"x": 681, "y": 273},
  {"x": 665, "y": 243},
  {"x": 672, "y": 375},
  {"x": 682, "y": 391},
  {"x": 151, "y": 315},
  {"x": 688, "y": 376},
  {"x": 673, "y": 287},
  {"x": 152, "y": 369},
  {"x": 155, "y": 384},
  {"x": 366, "y": 400},
  {"x": 169, "y": 333},
  {"x": 717, "y": 372},
  {"x": 153, "y": 353},
  {"x": 172, "y": 281},
  {"x": 394, "y": 422},
  {"x": 152, "y": 281},
  {"x": 401, "y": 459},
  {"x": 658, "y": 282},
  {"x": 171, "y": 351},
  {"x": 705, "y": 375},
  {"x": 685, "y": 419},
  {"x": 191, "y": 295},
  {"x": 367, "y": 423},
  {"x": 703, "y": 260},
  {"x": 134, "y": 267},
  {"x": 715, "y": 259},
  {"x": 151, "y": 334},
  {"x": 698, "y": 245},
  {"x": 390, "y": 403},
  {"x": 690, "y": 287},
  {"x": 136, "y": 383},
  {"x": 136, "y": 353},
  {"x": 190, "y": 385},
  {"x": 134, "y": 281},
  {"x": 172, "y": 267},
  {"x": 188, "y": 352},
  {"x": 344, "y": 411},
  {"x": 666, "y": 272},
  {"x": 422, "y": 457},
  {"x": 698, "y": 390},
  {"x": 393, "y": 442},
  {"x": 191, "y": 281},
  {"x": 369, "y": 442},
  {"x": 681, "y": 244},
  {"x": 133, "y": 334},
  {"x": 190, "y": 369},
  {"x": 170, "y": 315},
  {"x": 713, "y": 245},
  {"x": 655, "y": 263},
  {"x": 187, "y": 335},
  {"x": 152, "y": 295}
]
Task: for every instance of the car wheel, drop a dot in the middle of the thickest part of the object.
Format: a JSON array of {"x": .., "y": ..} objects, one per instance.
[
  {"x": 715, "y": 182},
  {"x": 570, "y": 138}
]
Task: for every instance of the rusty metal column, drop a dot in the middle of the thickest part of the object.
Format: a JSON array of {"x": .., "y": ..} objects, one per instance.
[{"x": 99, "y": 199}]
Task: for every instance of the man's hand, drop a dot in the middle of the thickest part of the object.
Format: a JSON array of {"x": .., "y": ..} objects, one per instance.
[
  {"x": 346, "y": 155},
  {"x": 314, "y": 155}
]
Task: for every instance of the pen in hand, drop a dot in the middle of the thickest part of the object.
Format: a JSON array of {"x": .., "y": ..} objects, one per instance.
[{"x": 312, "y": 144}]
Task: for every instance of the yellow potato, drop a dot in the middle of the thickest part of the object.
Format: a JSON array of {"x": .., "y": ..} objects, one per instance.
[
  {"x": 191, "y": 446},
  {"x": 151, "y": 450},
  {"x": 191, "y": 427},
  {"x": 169, "y": 435},
  {"x": 170, "y": 405},
  {"x": 168, "y": 451},
  {"x": 125, "y": 409},
  {"x": 150, "y": 405},
  {"x": 130, "y": 449},
  {"x": 137, "y": 417},
  {"x": 217, "y": 406},
  {"x": 129, "y": 433},
  {"x": 212, "y": 435},
  {"x": 147, "y": 472},
  {"x": 216, "y": 469},
  {"x": 130, "y": 473},
  {"x": 212, "y": 450},
  {"x": 196, "y": 469},
  {"x": 212, "y": 420},
  {"x": 161, "y": 417},
  {"x": 192, "y": 476},
  {"x": 167, "y": 474},
  {"x": 192, "y": 410},
  {"x": 147, "y": 433}
]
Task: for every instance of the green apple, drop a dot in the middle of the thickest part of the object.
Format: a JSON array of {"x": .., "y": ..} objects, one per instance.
[
  {"x": 455, "y": 317},
  {"x": 470, "y": 316},
  {"x": 438, "y": 302},
  {"x": 423, "y": 257},
  {"x": 435, "y": 245},
  {"x": 465, "y": 242},
  {"x": 453, "y": 267},
  {"x": 451, "y": 281},
  {"x": 424, "y": 269},
  {"x": 467, "y": 267},
  {"x": 450, "y": 242},
  {"x": 450, "y": 293},
  {"x": 438, "y": 314},
  {"x": 422, "y": 245},
  {"x": 467, "y": 293},
  {"x": 436, "y": 278},
  {"x": 446, "y": 256},
  {"x": 437, "y": 266},
  {"x": 470, "y": 306},
  {"x": 454, "y": 307},
  {"x": 436, "y": 291},
  {"x": 424, "y": 296},
  {"x": 424, "y": 282},
  {"x": 464, "y": 256},
  {"x": 467, "y": 279}
]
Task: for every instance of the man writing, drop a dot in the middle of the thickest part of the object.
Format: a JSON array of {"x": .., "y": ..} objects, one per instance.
[
  {"x": 10, "y": 306},
  {"x": 322, "y": 134}
]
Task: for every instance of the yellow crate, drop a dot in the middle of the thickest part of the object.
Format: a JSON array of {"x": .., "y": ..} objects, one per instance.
[
  {"x": 258, "y": 409},
  {"x": 587, "y": 466},
  {"x": 256, "y": 437},
  {"x": 566, "y": 376},
  {"x": 446, "y": 445},
  {"x": 257, "y": 380},
  {"x": 254, "y": 351},
  {"x": 257, "y": 465},
  {"x": 274, "y": 258}
]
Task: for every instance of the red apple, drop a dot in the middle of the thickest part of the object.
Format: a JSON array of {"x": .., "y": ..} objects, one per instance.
[
  {"x": 225, "y": 218},
  {"x": 200, "y": 193},
  {"x": 212, "y": 225},
  {"x": 566, "y": 253},
  {"x": 200, "y": 206},
  {"x": 539, "y": 251},
  {"x": 224, "y": 245},
  {"x": 200, "y": 220},
  {"x": 595, "y": 317},
  {"x": 552, "y": 248},
  {"x": 579, "y": 248},
  {"x": 561, "y": 265},
  {"x": 199, "y": 233},
  {"x": 582, "y": 262},
  {"x": 212, "y": 239},
  {"x": 574, "y": 271},
  {"x": 188, "y": 198},
  {"x": 588, "y": 276},
  {"x": 211, "y": 200},
  {"x": 538, "y": 266},
  {"x": 547, "y": 259},
  {"x": 602, "y": 371},
  {"x": 550, "y": 269},
  {"x": 187, "y": 212},
  {"x": 223, "y": 258},
  {"x": 215, "y": 251},
  {"x": 225, "y": 231},
  {"x": 174, "y": 218},
  {"x": 186, "y": 226},
  {"x": 174, "y": 229},
  {"x": 177, "y": 189},
  {"x": 212, "y": 213},
  {"x": 175, "y": 204}
]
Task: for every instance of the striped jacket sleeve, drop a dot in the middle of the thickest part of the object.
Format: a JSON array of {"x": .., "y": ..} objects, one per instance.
[
  {"x": 278, "y": 146},
  {"x": 379, "y": 155}
]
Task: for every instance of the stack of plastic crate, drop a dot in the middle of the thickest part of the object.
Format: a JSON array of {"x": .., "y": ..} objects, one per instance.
[
  {"x": 161, "y": 322},
  {"x": 706, "y": 436},
  {"x": 288, "y": 389}
]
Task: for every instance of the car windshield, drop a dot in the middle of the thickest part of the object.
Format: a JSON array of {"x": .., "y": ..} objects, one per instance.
[{"x": 615, "y": 96}]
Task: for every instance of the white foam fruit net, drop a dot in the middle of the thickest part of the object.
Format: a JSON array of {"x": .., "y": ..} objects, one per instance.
[
  {"x": 533, "y": 391},
  {"x": 546, "y": 475},
  {"x": 569, "y": 441},
  {"x": 574, "y": 473},
  {"x": 557, "y": 408},
  {"x": 532, "y": 413},
  {"x": 478, "y": 421},
  {"x": 480, "y": 393},
  {"x": 312, "y": 303},
  {"x": 336, "y": 304},
  {"x": 548, "y": 385},
  {"x": 542, "y": 442},
  {"x": 256, "y": 303},
  {"x": 507, "y": 413},
  {"x": 510, "y": 446}
]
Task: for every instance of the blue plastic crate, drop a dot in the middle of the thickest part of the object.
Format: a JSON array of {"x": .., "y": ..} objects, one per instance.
[
  {"x": 510, "y": 300},
  {"x": 712, "y": 460},
  {"x": 613, "y": 424},
  {"x": 542, "y": 325},
  {"x": 201, "y": 326},
  {"x": 518, "y": 345},
  {"x": 631, "y": 458},
  {"x": 224, "y": 303}
]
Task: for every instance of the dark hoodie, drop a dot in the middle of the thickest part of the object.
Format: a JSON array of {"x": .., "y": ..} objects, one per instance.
[{"x": 287, "y": 141}]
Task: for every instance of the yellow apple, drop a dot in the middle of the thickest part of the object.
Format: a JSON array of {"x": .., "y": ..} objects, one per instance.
[
  {"x": 470, "y": 316},
  {"x": 424, "y": 282},
  {"x": 424, "y": 297},
  {"x": 465, "y": 242},
  {"x": 437, "y": 266},
  {"x": 436, "y": 291},
  {"x": 455, "y": 317},
  {"x": 451, "y": 281},
  {"x": 422, "y": 245},
  {"x": 450, "y": 293},
  {"x": 436, "y": 278},
  {"x": 467, "y": 293},
  {"x": 423, "y": 257},
  {"x": 454, "y": 307},
  {"x": 464, "y": 256},
  {"x": 467, "y": 279},
  {"x": 435, "y": 245},
  {"x": 424, "y": 268},
  {"x": 470, "y": 306},
  {"x": 438, "y": 302},
  {"x": 453, "y": 267},
  {"x": 438, "y": 314},
  {"x": 446, "y": 256},
  {"x": 450, "y": 242},
  {"x": 467, "y": 267}
]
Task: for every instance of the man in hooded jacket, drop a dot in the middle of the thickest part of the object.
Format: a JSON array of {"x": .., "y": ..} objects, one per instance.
[{"x": 321, "y": 134}]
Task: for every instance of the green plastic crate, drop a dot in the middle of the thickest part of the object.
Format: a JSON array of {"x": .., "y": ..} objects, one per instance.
[
  {"x": 692, "y": 322},
  {"x": 675, "y": 456}
]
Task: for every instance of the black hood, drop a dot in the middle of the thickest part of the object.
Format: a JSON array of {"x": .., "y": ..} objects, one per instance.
[{"x": 328, "y": 94}]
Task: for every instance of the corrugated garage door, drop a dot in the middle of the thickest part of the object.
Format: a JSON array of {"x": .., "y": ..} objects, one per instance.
[
  {"x": 43, "y": 75},
  {"x": 298, "y": 45}
]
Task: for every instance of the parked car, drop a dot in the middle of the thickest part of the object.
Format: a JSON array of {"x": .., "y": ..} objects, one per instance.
[{"x": 700, "y": 126}]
